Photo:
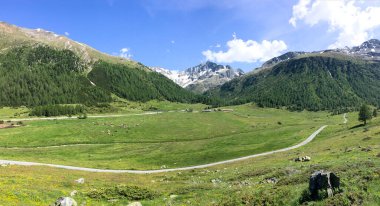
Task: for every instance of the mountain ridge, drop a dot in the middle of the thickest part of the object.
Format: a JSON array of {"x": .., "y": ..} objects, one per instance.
[
  {"x": 202, "y": 77},
  {"x": 336, "y": 80}
]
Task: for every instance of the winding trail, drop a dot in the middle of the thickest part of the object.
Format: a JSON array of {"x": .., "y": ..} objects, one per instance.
[
  {"x": 345, "y": 118},
  {"x": 306, "y": 141}
]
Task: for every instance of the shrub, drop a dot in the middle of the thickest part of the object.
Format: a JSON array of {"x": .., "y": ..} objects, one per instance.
[
  {"x": 123, "y": 192},
  {"x": 82, "y": 116}
]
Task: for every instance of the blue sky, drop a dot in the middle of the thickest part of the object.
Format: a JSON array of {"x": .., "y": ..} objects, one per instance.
[{"x": 177, "y": 34}]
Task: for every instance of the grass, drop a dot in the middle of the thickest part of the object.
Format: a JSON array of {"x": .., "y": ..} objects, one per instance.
[
  {"x": 9, "y": 112},
  {"x": 339, "y": 148},
  {"x": 172, "y": 139}
]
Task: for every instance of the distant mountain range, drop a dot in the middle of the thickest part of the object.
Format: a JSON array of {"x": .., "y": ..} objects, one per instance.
[
  {"x": 202, "y": 77},
  {"x": 369, "y": 50},
  {"x": 325, "y": 80}
]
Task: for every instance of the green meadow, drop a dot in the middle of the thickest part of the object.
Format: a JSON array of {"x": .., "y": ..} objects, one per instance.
[
  {"x": 162, "y": 140},
  {"x": 349, "y": 150}
]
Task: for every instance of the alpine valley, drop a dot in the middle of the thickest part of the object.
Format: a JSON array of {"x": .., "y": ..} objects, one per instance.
[{"x": 82, "y": 127}]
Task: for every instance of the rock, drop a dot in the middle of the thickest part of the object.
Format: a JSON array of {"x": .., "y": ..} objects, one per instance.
[
  {"x": 367, "y": 149},
  {"x": 216, "y": 181},
  {"x": 271, "y": 180},
  {"x": 173, "y": 196},
  {"x": 80, "y": 180},
  {"x": 73, "y": 193},
  {"x": 65, "y": 201},
  {"x": 307, "y": 158},
  {"x": 323, "y": 180},
  {"x": 135, "y": 204},
  {"x": 302, "y": 159}
]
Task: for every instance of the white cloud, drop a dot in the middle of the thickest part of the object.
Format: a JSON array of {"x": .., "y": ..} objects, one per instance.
[
  {"x": 67, "y": 33},
  {"x": 353, "y": 21},
  {"x": 125, "y": 53},
  {"x": 172, "y": 41},
  {"x": 218, "y": 45},
  {"x": 246, "y": 51}
]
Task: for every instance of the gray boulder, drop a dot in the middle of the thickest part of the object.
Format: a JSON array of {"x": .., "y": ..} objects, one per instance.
[
  {"x": 65, "y": 201},
  {"x": 323, "y": 180}
]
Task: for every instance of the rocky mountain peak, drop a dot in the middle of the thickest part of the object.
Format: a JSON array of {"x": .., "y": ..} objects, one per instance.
[{"x": 201, "y": 77}]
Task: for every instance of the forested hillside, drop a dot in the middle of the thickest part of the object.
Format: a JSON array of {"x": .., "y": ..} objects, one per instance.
[
  {"x": 313, "y": 83},
  {"x": 40, "y": 75},
  {"x": 136, "y": 84}
]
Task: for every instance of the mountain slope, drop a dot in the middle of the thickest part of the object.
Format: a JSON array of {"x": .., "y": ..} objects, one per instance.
[
  {"x": 201, "y": 77},
  {"x": 39, "y": 68},
  {"x": 313, "y": 81}
]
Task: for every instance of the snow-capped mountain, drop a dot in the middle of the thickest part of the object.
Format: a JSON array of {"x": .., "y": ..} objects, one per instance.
[
  {"x": 201, "y": 77},
  {"x": 369, "y": 50}
]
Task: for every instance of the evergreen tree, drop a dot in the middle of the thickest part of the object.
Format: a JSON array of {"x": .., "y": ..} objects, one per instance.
[
  {"x": 374, "y": 114},
  {"x": 365, "y": 113}
]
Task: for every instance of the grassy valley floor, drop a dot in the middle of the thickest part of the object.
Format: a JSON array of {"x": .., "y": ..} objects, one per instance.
[
  {"x": 165, "y": 140},
  {"x": 351, "y": 151}
]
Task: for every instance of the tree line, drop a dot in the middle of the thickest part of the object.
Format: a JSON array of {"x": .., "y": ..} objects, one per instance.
[{"x": 57, "y": 110}]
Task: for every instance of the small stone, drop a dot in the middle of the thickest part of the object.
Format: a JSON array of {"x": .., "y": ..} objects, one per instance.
[
  {"x": 80, "y": 180},
  {"x": 271, "y": 180},
  {"x": 73, "y": 193},
  {"x": 135, "y": 204},
  {"x": 173, "y": 196}
]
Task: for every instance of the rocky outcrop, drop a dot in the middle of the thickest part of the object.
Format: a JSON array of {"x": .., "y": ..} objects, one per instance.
[{"x": 323, "y": 180}]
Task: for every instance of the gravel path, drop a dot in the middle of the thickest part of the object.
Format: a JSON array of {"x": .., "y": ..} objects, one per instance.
[
  {"x": 309, "y": 139},
  {"x": 345, "y": 118}
]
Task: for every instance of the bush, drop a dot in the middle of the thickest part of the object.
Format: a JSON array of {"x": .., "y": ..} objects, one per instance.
[
  {"x": 82, "y": 116},
  {"x": 56, "y": 110},
  {"x": 123, "y": 192}
]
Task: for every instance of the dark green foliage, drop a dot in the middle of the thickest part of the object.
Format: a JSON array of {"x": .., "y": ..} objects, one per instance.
[
  {"x": 123, "y": 192},
  {"x": 40, "y": 75},
  {"x": 312, "y": 83},
  {"x": 56, "y": 110},
  {"x": 138, "y": 85},
  {"x": 365, "y": 113},
  {"x": 374, "y": 114}
]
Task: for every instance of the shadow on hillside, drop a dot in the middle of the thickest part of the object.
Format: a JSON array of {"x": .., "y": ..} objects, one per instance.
[{"x": 357, "y": 126}]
